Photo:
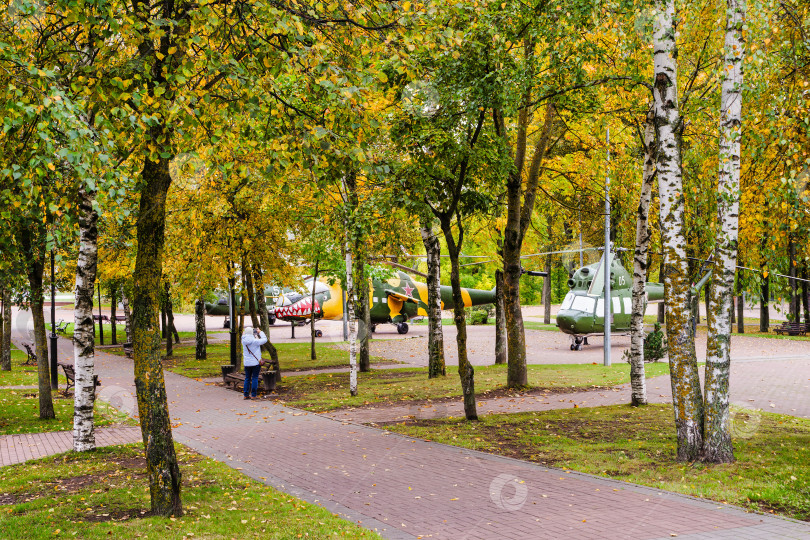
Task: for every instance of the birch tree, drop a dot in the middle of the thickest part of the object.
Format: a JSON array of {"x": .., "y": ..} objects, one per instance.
[
  {"x": 637, "y": 380},
  {"x": 686, "y": 392},
  {"x": 83, "y": 335},
  {"x": 717, "y": 447},
  {"x": 436, "y": 365}
]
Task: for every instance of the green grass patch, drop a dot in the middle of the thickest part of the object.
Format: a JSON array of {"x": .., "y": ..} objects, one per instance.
[
  {"x": 22, "y": 375},
  {"x": 771, "y": 335},
  {"x": 19, "y": 413},
  {"x": 329, "y": 391},
  {"x": 534, "y": 325},
  {"x": 638, "y": 445},
  {"x": 291, "y": 357},
  {"x": 104, "y": 494}
]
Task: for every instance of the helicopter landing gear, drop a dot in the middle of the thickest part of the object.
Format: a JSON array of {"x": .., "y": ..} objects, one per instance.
[
  {"x": 577, "y": 343},
  {"x": 402, "y": 328}
]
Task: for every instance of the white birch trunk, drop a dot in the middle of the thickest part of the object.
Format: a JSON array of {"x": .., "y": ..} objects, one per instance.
[
  {"x": 83, "y": 340},
  {"x": 638, "y": 384},
  {"x": 436, "y": 364},
  {"x": 350, "y": 293},
  {"x": 686, "y": 392},
  {"x": 717, "y": 447}
]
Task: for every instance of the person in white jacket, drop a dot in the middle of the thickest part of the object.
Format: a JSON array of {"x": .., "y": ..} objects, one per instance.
[{"x": 252, "y": 341}]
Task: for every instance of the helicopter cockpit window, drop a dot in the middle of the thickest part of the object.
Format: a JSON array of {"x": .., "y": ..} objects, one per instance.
[
  {"x": 583, "y": 303},
  {"x": 567, "y": 301}
]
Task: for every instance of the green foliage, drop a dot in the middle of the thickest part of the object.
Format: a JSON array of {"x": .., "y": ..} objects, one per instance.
[
  {"x": 479, "y": 314},
  {"x": 654, "y": 345}
]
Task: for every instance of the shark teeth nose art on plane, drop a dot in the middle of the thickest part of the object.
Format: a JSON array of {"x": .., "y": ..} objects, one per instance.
[{"x": 302, "y": 308}]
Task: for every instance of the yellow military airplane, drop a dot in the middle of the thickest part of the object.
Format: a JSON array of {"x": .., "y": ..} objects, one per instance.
[{"x": 393, "y": 301}]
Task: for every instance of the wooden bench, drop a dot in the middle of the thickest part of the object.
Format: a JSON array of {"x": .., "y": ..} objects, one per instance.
[
  {"x": 61, "y": 327},
  {"x": 792, "y": 329},
  {"x": 128, "y": 350},
  {"x": 32, "y": 357},
  {"x": 236, "y": 379},
  {"x": 102, "y": 317},
  {"x": 70, "y": 375}
]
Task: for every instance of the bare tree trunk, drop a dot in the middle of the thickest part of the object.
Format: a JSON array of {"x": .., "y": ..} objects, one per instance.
[
  {"x": 547, "y": 291},
  {"x": 350, "y": 303},
  {"x": 793, "y": 284},
  {"x": 127, "y": 314},
  {"x": 805, "y": 297},
  {"x": 500, "y": 321},
  {"x": 5, "y": 337},
  {"x": 167, "y": 319},
  {"x": 153, "y": 409},
  {"x": 113, "y": 302},
  {"x": 519, "y": 213},
  {"x": 362, "y": 293},
  {"x": 436, "y": 365},
  {"x": 717, "y": 447},
  {"x": 686, "y": 392},
  {"x": 740, "y": 305},
  {"x": 32, "y": 241},
  {"x": 764, "y": 305},
  {"x": 466, "y": 371},
  {"x": 240, "y": 329},
  {"x": 200, "y": 351},
  {"x": 84, "y": 359},
  {"x": 251, "y": 294},
  {"x": 312, "y": 354},
  {"x": 258, "y": 280},
  {"x": 638, "y": 385}
]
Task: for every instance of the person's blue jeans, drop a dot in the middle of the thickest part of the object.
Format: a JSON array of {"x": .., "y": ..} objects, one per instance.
[{"x": 252, "y": 380}]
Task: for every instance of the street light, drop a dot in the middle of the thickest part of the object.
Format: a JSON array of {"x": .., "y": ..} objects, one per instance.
[{"x": 53, "y": 338}]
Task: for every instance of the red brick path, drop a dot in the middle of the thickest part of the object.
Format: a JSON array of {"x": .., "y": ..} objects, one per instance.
[
  {"x": 19, "y": 448},
  {"x": 407, "y": 488}
]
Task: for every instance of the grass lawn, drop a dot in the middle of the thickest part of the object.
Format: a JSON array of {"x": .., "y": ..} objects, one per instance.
[
  {"x": 19, "y": 413},
  {"x": 638, "y": 445},
  {"x": 771, "y": 335},
  {"x": 329, "y": 391},
  {"x": 104, "y": 494},
  {"x": 291, "y": 357},
  {"x": 22, "y": 375}
]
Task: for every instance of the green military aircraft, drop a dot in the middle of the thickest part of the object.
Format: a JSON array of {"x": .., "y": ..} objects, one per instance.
[
  {"x": 582, "y": 312},
  {"x": 393, "y": 301}
]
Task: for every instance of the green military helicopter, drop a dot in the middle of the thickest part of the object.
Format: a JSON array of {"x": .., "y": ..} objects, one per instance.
[
  {"x": 582, "y": 311},
  {"x": 393, "y": 301}
]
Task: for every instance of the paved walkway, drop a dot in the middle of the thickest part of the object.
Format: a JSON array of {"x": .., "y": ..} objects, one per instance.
[
  {"x": 19, "y": 448},
  {"x": 407, "y": 488}
]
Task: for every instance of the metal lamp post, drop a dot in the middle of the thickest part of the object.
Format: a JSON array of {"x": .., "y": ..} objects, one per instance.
[
  {"x": 608, "y": 265},
  {"x": 53, "y": 338},
  {"x": 232, "y": 312}
]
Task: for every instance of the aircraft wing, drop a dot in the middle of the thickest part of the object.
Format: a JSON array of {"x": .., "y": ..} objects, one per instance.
[{"x": 401, "y": 297}]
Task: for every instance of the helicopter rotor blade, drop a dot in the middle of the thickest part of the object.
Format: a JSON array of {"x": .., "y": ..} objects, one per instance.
[
  {"x": 406, "y": 268},
  {"x": 754, "y": 270}
]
